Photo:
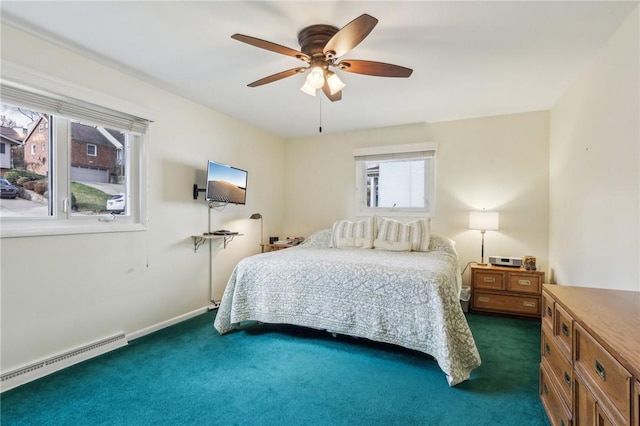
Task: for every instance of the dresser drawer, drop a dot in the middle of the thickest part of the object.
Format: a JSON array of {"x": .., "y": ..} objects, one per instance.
[
  {"x": 636, "y": 402},
  {"x": 563, "y": 331},
  {"x": 491, "y": 280},
  {"x": 558, "y": 413},
  {"x": 558, "y": 365},
  {"x": 547, "y": 310},
  {"x": 598, "y": 367},
  {"x": 587, "y": 409},
  {"x": 524, "y": 283},
  {"x": 524, "y": 305}
]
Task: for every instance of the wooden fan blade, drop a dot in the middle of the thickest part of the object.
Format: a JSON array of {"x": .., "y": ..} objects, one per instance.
[
  {"x": 349, "y": 36},
  {"x": 378, "y": 69},
  {"x": 273, "y": 47},
  {"x": 333, "y": 98},
  {"x": 276, "y": 77}
]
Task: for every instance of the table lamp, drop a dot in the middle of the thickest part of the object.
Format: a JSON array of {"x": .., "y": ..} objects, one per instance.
[
  {"x": 259, "y": 216},
  {"x": 483, "y": 221}
]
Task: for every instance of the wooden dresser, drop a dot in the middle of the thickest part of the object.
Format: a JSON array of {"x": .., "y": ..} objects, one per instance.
[
  {"x": 590, "y": 345},
  {"x": 504, "y": 290}
]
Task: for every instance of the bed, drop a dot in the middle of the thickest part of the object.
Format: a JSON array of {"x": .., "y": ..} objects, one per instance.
[{"x": 401, "y": 297}]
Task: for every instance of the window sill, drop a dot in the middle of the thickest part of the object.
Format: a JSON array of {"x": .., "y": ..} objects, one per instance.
[
  {"x": 366, "y": 212},
  {"x": 40, "y": 229}
]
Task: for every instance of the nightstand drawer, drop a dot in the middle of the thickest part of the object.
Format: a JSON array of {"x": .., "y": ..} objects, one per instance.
[
  {"x": 524, "y": 283},
  {"x": 559, "y": 366},
  {"x": 489, "y": 279},
  {"x": 527, "y": 305},
  {"x": 600, "y": 368}
]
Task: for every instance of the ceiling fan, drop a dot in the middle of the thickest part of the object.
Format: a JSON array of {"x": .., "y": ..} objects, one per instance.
[{"x": 322, "y": 47}]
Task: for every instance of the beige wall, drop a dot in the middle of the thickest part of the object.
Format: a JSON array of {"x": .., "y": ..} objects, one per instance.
[
  {"x": 63, "y": 291},
  {"x": 59, "y": 292},
  {"x": 496, "y": 163},
  {"x": 595, "y": 170}
]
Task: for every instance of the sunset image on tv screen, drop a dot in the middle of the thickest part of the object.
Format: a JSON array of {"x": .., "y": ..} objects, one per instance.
[{"x": 226, "y": 184}]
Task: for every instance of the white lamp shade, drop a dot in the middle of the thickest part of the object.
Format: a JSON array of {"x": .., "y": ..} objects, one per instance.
[
  {"x": 315, "y": 78},
  {"x": 308, "y": 89},
  {"x": 484, "y": 221},
  {"x": 334, "y": 82}
]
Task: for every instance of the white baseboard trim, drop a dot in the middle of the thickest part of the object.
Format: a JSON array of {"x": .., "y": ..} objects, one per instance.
[
  {"x": 34, "y": 371},
  {"x": 168, "y": 323},
  {"x": 28, "y": 373}
]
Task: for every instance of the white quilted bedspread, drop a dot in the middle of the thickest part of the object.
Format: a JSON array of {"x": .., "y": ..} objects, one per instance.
[{"x": 409, "y": 299}]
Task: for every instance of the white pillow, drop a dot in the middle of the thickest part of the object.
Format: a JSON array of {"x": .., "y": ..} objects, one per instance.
[
  {"x": 349, "y": 242},
  {"x": 346, "y": 229},
  {"x": 418, "y": 232},
  {"x": 392, "y": 245}
]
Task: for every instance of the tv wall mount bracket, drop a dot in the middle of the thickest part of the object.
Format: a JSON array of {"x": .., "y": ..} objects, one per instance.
[{"x": 196, "y": 191}]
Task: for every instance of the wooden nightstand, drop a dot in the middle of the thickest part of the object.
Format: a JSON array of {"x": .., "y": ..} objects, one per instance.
[
  {"x": 504, "y": 290},
  {"x": 274, "y": 247}
]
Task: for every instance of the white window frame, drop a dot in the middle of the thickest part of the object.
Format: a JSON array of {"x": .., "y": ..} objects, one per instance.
[
  {"x": 62, "y": 222},
  {"x": 425, "y": 150},
  {"x": 95, "y": 150},
  {"x": 33, "y": 149}
]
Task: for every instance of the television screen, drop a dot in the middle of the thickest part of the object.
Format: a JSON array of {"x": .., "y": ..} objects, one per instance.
[{"x": 226, "y": 184}]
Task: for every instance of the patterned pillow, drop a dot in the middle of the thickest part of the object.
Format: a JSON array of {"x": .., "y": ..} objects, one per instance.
[
  {"x": 347, "y": 229},
  {"x": 418, "y": 232},
  {"x": 320, "y": 238}
]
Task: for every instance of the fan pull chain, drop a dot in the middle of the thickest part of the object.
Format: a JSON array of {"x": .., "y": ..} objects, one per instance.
[{"x": 320, "y": 106}]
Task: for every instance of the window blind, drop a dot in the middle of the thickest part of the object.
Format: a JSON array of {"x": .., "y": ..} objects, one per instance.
[
  {"x": 73, "y": 109},
  {"x": 396, "y": 152}
]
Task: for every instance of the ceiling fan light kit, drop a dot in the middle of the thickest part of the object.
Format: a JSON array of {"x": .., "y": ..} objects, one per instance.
[{"x": 321, "y": 47}]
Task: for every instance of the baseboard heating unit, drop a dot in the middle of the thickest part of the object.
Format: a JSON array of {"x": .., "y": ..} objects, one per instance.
[{"x": 39, "y": 369}]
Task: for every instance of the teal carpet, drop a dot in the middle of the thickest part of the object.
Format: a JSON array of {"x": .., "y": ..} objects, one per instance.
[{"x": 280, "y": 375}]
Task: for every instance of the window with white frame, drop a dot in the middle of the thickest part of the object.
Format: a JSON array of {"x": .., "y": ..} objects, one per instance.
[
  {"x": 69, "y": 192},
  {"x": 395, "y": 180}
]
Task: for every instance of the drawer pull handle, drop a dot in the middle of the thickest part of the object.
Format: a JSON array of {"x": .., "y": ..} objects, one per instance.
[
  {"x": 547, "y": 349},
  {"x": 529, "y": 304},
  {"x": 549, "y": 311},
  {"x": 546, "y": 390},
  {"x": 483, "y": 299},
  {"x": 567, "y": 379},
  {"x": 600, "y": 371},
  {"x": 565, "y": 329},
  {"x": 524, "y": 282},
  {"x": 489, "y": 280}
]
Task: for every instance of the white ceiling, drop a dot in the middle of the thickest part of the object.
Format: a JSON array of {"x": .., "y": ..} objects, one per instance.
[{"x": 470, "y": 59}]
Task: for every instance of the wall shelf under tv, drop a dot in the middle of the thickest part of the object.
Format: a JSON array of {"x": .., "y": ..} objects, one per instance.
[{"x": 198, "y": 240}]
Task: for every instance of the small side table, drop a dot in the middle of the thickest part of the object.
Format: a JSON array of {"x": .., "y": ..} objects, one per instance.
[
  {"x": 505, "y": 290},
  {"x": 275, "y": 247}
]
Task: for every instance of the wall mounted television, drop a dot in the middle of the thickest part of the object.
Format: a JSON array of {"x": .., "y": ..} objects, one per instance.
[{"x": 226, "y": 184}]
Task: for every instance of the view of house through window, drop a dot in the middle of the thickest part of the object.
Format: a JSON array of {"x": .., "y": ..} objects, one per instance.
[
  {"x": 56, "y": 160},
  {"x": 395, "y": 180},
  {"x": 395, "y": 184}
]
